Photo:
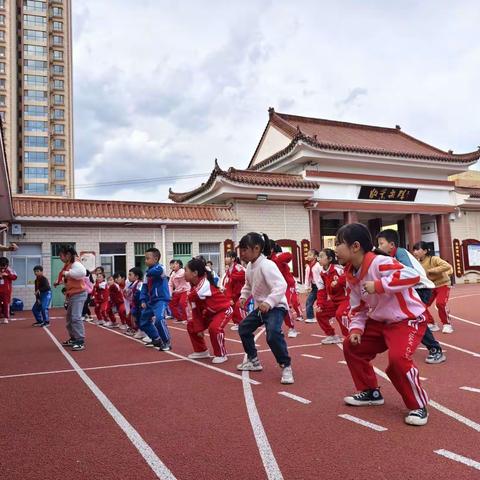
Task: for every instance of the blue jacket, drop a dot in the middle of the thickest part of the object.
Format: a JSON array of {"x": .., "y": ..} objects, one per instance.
[{"x": 155, "y": 288}]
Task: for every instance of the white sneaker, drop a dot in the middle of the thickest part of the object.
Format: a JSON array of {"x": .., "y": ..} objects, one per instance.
[
  {"x": 139, "y": 335},
  {"x": 100, "y": 322},
  {"x": 310, "y": 320},
  {"x": 447, "y": 328},
  {"x": 292, "y": 333},
  {"x": 108, "y": 324},
  {"x": 5, "y": 320},
  {"x": 219, "y": 359},
  {"x": 234, "y": 328},
  {"x": 433, "y": 327},
  {"x": 196, "y": 355},
  {"x": 115, "y": 325},
  {"x": 146, "y": 339},
  {"x": 123, "y": 326},
  {"x": 332, "y": 339},
  {"x": 287, "y": 376},
  {"x": 253, "y": 365},
  {"x": 300, "y": 319}
]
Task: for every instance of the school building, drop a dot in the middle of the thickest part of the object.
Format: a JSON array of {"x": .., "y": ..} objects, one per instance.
[{"x": 306, "y": 178}]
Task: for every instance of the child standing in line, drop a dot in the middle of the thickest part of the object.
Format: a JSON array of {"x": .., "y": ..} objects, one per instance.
[
  {"x": 116, "y": 301},
  {"x": 100, "y": 296},
  {"x": 211, "y": 310},
  {"x": 132, "y": 300},
  {"x": 121, "y": 280},
  {"x": 43, "y": 297},
  {"x": 233, "y": 282},
  {"x": 313, "y": 282},
  {"x": 216, "y": 278},
  {"x": 154, "y": 299},
  {"x": 179, "y": 289},
  {"x": 267, "y": 286},
  {"x": 7, "y": 277},
  {"x": 89, "y": 289},
  {"x": 385, "y": 314},
  {"x": 332, "y": 299}
]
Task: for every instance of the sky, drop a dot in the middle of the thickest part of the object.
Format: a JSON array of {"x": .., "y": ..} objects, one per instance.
[{"x": 162, "y": 88}]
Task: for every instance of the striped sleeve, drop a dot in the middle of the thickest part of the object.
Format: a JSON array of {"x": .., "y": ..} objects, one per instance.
[{"x": 394, "y": 277}]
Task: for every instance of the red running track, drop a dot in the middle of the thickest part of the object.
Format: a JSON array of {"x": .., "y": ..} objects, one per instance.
[{"x": 194, "y": 420}]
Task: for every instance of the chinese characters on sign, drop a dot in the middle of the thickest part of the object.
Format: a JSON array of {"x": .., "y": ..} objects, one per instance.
[{"x": 388, "y": 193}]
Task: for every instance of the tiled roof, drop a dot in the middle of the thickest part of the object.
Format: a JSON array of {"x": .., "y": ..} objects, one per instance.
[
  {"x": 126, "y": 211},
  {"x": 265, "y": 179},
  {"x": 352, "y": 137}
]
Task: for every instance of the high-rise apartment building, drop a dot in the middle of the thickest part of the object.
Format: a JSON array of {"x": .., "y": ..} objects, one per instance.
[{"x": 36, "y": 95}]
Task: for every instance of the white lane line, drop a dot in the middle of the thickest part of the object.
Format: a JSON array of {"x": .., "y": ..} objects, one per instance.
[
  {"x": 364, "y": 423},
  {"x": 295, "y": 397},
  {"x": 207, "y": 334},
  {"x": 268, "y": 350},
  {"x": 466, "y": 321},
  {"x": 266, "y": 453},
  {"x": 52, "y": 372},
  {"x": 196, "y": 362},
  {"x": 464, "y": 296},
  {"x": 159, "y": 468},
  {"x": 470, "y": 389},
  {"x": 343, "y": 362},
  {"x": 473, "y": 354},
  {"x": 318, "y": 335},
  {"x": 458, "y": 458},
  {"x": 311, "y": 356}
]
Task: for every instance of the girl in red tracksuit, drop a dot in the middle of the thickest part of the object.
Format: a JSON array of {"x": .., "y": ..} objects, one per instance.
[
  {"x": 7, "y": 277},
  {"x": 116, "y": 300},
  {"x": 100, "y": 296},
  {"x": 332, "y": 297},
  {"x": 211, "y": 310},
  {"x": 233, "y": 282}
]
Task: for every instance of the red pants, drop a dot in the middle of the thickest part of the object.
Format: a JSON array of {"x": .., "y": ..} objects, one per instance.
[
  {"x": 440, "y": 294},
  {"x": 292, "y": 300},
  {"x": 329, "y": 310},
  {"x": 401, "y": 340},
  {"x": 122, "y": 313},
  {"x": 215, "y": 325},
  {"x": 5, "y": 298},
  {"x": 101, "y": 310},
  {"x": 238, "y": 313},
  {"x": 178, "y": 305}
]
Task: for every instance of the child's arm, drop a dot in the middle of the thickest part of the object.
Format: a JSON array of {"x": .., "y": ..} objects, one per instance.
[
  {"x": 275, "y": 282},
  {"x": 170, "y": 283},
  {"x": 284, "y": 257},
  {"x": 77, "y": 271},
  {"x": 156, "y": 271},
  {"x": 10, "y": 275},
  {"x": 441, "y": 266},
  {"x": 246, "y": 291},
  {"x": 395, "y": 277},
  {"x": 357, "y": 315},
  {"x": 143, "y": 295}
]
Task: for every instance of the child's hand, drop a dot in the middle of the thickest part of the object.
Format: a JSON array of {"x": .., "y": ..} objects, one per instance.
[
  {"x": 200, "y": 334},
  {"x": 232, "y": 303},
  {"x": 317, "y": 308},
  {"x": 243, "y": 301},
  {"x": 143, "y": 305},
  {"x": 369, "y": 287},
  {"x": 264, "y": 307},
  {"x": 56, "y": 284},
  {"x": 355, "y": 338},
  {"x": 334, "y": 283}
]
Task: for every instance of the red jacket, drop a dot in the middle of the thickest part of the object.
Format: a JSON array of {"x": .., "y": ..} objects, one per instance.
[
  {"x": 116, "y": 294},
  {"x": 100, "y": 292},
  {"x": 6, "y": 280},
  {"x": 337, "y": 293},
  {"x": 282, "y": 261},
  {"x": 234, "y": 281}
]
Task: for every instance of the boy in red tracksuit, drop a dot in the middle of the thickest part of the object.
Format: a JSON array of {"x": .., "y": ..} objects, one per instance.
[
  {"x": 210, "y": 310},
  {"x": 233, "y": 282},
  {"x": 100, "y": 296},
  {"x": 179, "y": 289},
  {"x": 7, "y": 277},
  {"x": 116, "y": 300},
  {"x": 332, "y": 299}
]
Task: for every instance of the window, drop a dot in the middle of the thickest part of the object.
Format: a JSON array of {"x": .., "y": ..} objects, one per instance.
[
  {"x": 59, "y": 159},
  {"x": 2, "y": 35},
  {"x": 58, "y": 26},
  {"x": 35, "y": 65},
  {"x": 2, "y": 116},
  {"x": 2, "y": 19},
  {"x": 36, "y": 188},
  {"x": 113, "y": 257},
  {"x": 140, "y": 249},
  {"x": 57, "y": 40},
  {"x": 30, "y": 172},
  {"x": 59, "y": 144},
  {"x": 211, "y": 251},
  {"x": 35, "y": 50},
  {"x": 58, "y": 84},
  {"x": 182, "y": 251},
  {"x": 34, "y": 35},
  {"x": 2, "y": 67},
  {"x": 36, "y": 126},
  {"x": 34, "y": 5},
  {"x": 57, "y": 12},
  {"x": 58, "y": 55},
  {"x": 35, "y": 110},
  {"x": 35, "y": 95},
  {"x": 36, "y": 141},
  {"x": 59, "y": 128},
  {"x": 3, "y": 84},
  {"x": 58, "y": 99},
  {"x": 31, "y": 157},
  {"x": 3, "y": 100},
  {"x": 59, "y": 174},
  {"x": 37, "y": 80},
  {"x": 58, "y": 114},
  {"x": 2, "y": 3},
  {"x": 23, "y": 260},
  {"x": 59, "y": 189},
  {"x": 57, "y": 69},
  {"x": 2, "y": 52},
  {"x": 34, "y": 20}
]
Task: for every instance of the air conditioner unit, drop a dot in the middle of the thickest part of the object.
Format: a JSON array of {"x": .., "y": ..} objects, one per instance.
[{"x": 16, "y": 229}]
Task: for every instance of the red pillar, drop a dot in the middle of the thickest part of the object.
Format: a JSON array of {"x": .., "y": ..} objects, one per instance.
[
  {"x": 414, "y": 229},
  {"x": 445, "y": 237},
  {"x": 350, "y": 217},
  {"x": 315, "y": 234}
]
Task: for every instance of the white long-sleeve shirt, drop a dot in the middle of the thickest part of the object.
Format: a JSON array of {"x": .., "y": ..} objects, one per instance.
[
  {"x": 265, "y": 283},
  {"x": 316, "y": 274},
  {"x": 77, "y": 271}
]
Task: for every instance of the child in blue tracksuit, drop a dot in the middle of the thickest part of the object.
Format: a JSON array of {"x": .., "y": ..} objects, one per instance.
[
  {"x": 43, "y": 297},
  {"x": 154, "y": 299}
]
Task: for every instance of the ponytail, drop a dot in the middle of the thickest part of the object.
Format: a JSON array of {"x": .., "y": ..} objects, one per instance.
[
  {"x": 331, "y": 255},
  {"x": 253, "y": 239}
]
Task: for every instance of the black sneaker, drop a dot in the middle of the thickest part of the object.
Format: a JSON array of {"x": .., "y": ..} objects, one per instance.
[
  {"x": 435, "y": 356},
  {"x": 78, "y": 346},
  {"x": 68, "y": 343},
  {"x": 166, "y": 347},
  {"x": 365, "y": 398},
  {"x": 37, "y": 324},
  {"x": 155, "y": 343},
  {"x": 417, "y": 417},
  {"x": 46, "y": 324}
]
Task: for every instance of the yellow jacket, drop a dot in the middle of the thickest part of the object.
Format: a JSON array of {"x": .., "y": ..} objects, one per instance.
[{"x": 438, "y": 270}]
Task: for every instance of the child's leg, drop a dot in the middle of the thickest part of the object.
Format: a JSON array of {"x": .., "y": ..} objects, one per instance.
[
  {"x": 273, "y": 320},
  {"x": 312, "y": 296},
  {"x": 216, "y": 329},
  {"x": 160, "y": 322},
  {"x": 402, "y": 339},
  {"x": 98, "y": 311},
  {"x": 37, "y": 311},
  {"x": 5, "y": 305},
  {"x": 295, "y": 302},
  {"x": 146, "y": 324},
  {"x": 109, "y": 313},
  {"x": 249, "y": 324},
  {"x": 427, "y": 314},
  {"x": 173, "y": 305},
  {"x": 358, "y": 357},
  {"x": 122, "y": 313},
  {"x": 443, "y": 294},
  {"x": 198, "y": 343},
  {"x": 182, "y": 306},
  {"x": 74, "y": 313},
  {"x": 104, "y": 309},
  {"x": 429, "y": 340},
  {"x": 288, "y": 320},
  {"x": 341, "y": 316},
  {"x": 45, "y": 299},
  {"x": 323, "y": 318}
]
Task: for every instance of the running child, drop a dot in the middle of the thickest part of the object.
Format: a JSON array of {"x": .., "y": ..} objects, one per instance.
[
  {"x": 43, "y": 297},
  {"x": 132, "y": 300},
  {"x": 267, "y": 286},
  {"x": 211, "y": 310},
  {"x": 332, "y": 298},
  {"x": 154, "y": 299},
  {"x": 100, "y": 295},
  {"x": 233, "y": 282},
  {"x": 7, "y": 277},
  {"x": 117, "y": 301},
  {"x": 179, "y": 288},
  {"x": 313, "y": 282},
  {"x": 385, "y": 314}
]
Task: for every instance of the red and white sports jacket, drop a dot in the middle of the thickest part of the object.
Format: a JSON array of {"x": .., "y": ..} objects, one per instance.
[
  {"x": 100, "y": 292},
  {"x": 336, "y": 293},
  {"x": 8, "y": 276},
  {"x": 394, "y": 299},
  {"x": 233, "y": 281},
  {"x": 282, "y": 261},
  {"x": 116, "y": 294}
]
